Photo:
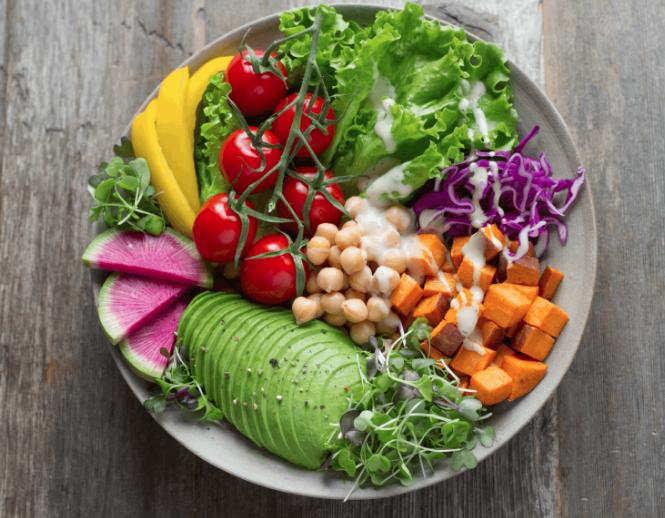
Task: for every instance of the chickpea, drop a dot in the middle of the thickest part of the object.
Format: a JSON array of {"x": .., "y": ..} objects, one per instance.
[
  {"x": 360, "y": 281},
  {"x": 388, "y": 325},
  {"x": 318, "y": 249},
  {"x": 361, "y": 332},
  {"x": 333, "y": 257},
  {"x": 345, "y": 283},
  {"x": 319, "y": 307},
  {"x": 332, "y": 302},
  {"x": 353, "y": 259},
  {"x": 335, "y": 320},
  {"x": 347, "y": 237},
  {"x": 369, "y": 245},
  {"x": 304, "y": 310},
  {"x": 330, "y": 279},
  {"x": 378, "y": 308},
  {"x": 354, "y": 205},
  {"x": 230, "y": 272},
  {"x": 353, "y": 294},
  {"x": 399, "y": 217},
  {"x": 327, "y": 231},
  {"x": 391, "y": 238},
  {"x": 312, "y": 286},
  {"x": 354, "y": 310},
  {"x": 385, "y": 279},
  {"x": 395, "y": 259}
]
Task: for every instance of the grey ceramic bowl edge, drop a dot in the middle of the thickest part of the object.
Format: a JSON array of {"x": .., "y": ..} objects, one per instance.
[{"x": 228, "y": 450}]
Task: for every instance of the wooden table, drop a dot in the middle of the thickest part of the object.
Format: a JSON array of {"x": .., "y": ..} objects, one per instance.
[{"x": 74, "y": 441}]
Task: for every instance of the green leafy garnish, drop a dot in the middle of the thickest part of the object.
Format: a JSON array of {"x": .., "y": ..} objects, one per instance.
[
  {"x": 178, "y": 385},
  {"x": 412, "y": 416},
  {"x": 125, "y": 197}
]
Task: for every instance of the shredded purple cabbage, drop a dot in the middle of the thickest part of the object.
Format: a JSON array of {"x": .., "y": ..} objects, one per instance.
[{"x": 522, "y": 205}]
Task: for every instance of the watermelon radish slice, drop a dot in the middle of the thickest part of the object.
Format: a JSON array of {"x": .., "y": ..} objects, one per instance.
[
  {"x": 126, "y": 302},
  {"x": 169, "y": 256},
  {"x": 142, "y": 349}
]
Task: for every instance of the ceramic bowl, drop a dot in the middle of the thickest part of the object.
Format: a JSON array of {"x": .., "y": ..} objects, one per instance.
[{"x": 225, "y": 448}]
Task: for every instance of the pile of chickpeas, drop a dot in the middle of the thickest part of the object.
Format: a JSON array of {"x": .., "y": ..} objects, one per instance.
[{"x": 358, "y": 272}]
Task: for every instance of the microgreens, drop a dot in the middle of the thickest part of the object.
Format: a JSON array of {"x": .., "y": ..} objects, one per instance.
[
  {"x": 124, "y": 195},
  {"x": 412, "y": 415},
  {"x": 178, "y": 385}
]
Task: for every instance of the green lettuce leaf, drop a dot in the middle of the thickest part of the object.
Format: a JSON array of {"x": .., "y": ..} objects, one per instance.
[
  {"x": 217, "y": 122},
  {"x": 428, "y": 69}
]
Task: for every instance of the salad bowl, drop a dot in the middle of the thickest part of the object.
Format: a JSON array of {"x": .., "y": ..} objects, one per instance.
[{"x": 225, "y": 448}]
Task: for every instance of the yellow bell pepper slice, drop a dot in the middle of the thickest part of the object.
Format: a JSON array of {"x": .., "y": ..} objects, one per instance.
[
  {"x": 197, "y": 85},
  {"x": 171, "y": 197},
  {"x": 175, "y": 136}
]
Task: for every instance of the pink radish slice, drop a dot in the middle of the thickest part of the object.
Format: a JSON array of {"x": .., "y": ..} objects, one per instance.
[
  {"x": 169, "y": 256},
  {"x": 126, "y": 302},
  {"x": 142, "y": 349}
]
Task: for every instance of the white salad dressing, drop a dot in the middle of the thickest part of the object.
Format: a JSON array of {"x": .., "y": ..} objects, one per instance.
[
  {"x": 472, "y": 93},
  {"x": 479, "y": 182},
  {"x": 474, "y": 250},
  {"x": 382, "y": 98},
  {"x": 391, "y": 184},
  {"x": 375, "y": 171},
  {"x": 433, "y": 221}
]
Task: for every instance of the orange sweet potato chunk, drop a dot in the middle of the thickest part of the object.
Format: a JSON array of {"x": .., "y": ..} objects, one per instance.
[
  {"x": 466, "y": 270},
  {"x": 526, "y": 374},
  {"x": 434, "y": 285},
  {"x": 533, "y": 342},
  {"x": 407, "y": 294},
  {"x": 494, "y": 241},
  {"x": 504, "y": 305},
  {"x": 456, "y": 252},
  {"x": 546, "y": 316},
  {"x": 446, "y": 338},
  {"x": 470, "y": 362},
  {"x": 492, "y": 385},
  {"x": 434, "y": 253},
  {"x": 433, "y": 308},
  {"x": 524, "y": 271},
  {"x": 530, "y": 292},
  {"x": 531, "y": 252},
  {"x": 447, "y": 266},
  {"x": 491, "y": 333},
  {"x": 502, "y": 351},
  {"x": 463, "y": 299},
  {"x": 549, "y": 282}
]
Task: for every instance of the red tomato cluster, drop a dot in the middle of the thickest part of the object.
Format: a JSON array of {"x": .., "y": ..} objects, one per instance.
[{"x": 217, "y": 227}]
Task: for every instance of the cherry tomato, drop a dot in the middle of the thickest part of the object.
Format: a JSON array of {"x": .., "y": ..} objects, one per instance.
[
  {"x": 316, "y": 139},
  {"x": 322, "y": 211},
  {"x": 217, "y": 229},
  {"x": 237, "y": 155},
  {"x": 271, "y": 280},
  {"x": 254, "y": 94}
]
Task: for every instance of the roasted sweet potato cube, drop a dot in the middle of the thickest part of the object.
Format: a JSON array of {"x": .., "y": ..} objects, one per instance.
[
  {"x": 448, "y": 266},
  {"x": 464, "y": 300},
  {"x": 446, "y": 338},
  {"x": 433, "y": 308},
  {"x": 510, "y": 333},
  {"x": 530, "y": 292},
  {"x": 504, "y": 305},
  {"x": 502, "y": 351},
  {"x": 546, "y": 316},
  {"x": 433, "y": 255},
  {"x": 456, "y": 254},
  {"x": 494, "y": 241},
  {"x": 526, "y": 374},
  {"x": 469, "y": 362},
  {"x": 549, "y": 282},
  {"x": 492, "y": 385},
  {"x": 533, "y": 342},
  {"x": 466, "y": 270},
  {"x": 491, "y": 333},
  {"x": 441, "y": 282},
  {"x": 407, "y": 294},
  {"x": 525, "y": 271},
  {"x": 514, "y": 244}
]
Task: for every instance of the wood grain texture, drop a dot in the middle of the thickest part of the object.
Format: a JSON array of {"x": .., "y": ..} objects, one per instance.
[{"x": 76, "y": 442}]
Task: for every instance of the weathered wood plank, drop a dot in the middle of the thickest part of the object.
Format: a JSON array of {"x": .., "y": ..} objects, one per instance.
[{"x": 605, "y": 75}]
